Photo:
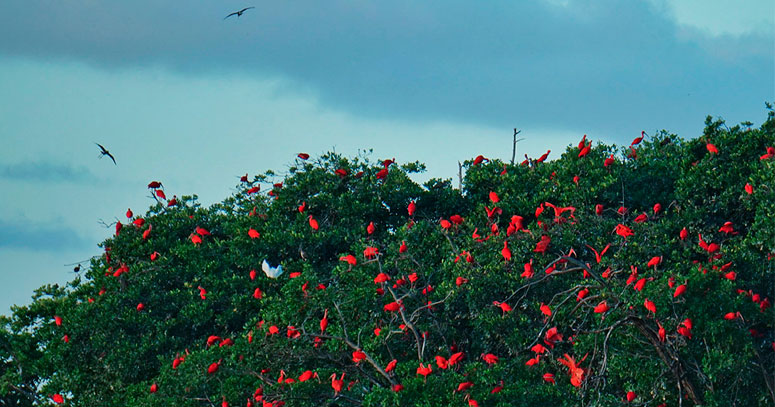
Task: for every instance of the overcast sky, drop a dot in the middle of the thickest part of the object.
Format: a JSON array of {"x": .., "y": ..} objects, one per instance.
[{"x": 181, "y": 95}]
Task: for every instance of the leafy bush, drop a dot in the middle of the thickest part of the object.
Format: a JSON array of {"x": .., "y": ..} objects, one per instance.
[{"x": 477, "y": 306}]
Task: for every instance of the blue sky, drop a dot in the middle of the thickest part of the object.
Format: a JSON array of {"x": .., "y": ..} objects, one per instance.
[{"x": 182, "y": 96}]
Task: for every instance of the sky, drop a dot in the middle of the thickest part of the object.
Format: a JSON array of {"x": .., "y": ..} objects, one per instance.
[{"x": 180, "y": 95}]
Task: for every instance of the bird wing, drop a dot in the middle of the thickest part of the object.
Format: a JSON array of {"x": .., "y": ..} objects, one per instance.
[
  {"x": 232, "y": 14},
  {"x": 111, "y": 157},
  {"x": 246, "y": 8},
  {"x": 101, "y": 148}
]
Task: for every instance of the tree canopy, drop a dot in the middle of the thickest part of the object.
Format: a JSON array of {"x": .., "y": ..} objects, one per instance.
[{"x": 640, "y": 274}]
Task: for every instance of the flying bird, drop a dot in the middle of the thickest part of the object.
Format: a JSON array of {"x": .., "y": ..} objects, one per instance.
[
  {"x": 271, "y": 272},
  {"x": 104, "y": 152},
  {"x": 238, "y": 13}
]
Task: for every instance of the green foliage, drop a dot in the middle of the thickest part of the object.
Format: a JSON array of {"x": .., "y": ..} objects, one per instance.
[{"x": 446, "y": 281}]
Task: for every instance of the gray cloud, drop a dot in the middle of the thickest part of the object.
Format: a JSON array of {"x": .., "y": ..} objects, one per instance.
[
  {"x": 604, "y": 66},
  {"x": 25, "y": 234},
  {"x": 46, "y": 172}
]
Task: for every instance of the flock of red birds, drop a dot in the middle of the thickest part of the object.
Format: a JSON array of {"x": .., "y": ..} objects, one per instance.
[{"x": 576, "y": 373}]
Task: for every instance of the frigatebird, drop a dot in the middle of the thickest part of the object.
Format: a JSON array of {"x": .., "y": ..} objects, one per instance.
[
  {"x": 238, "y": 13},
  {"x": 105, "y": 152}
]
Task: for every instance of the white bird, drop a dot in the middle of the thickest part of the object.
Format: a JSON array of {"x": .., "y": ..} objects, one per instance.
[{"x": 271, "y": 272}]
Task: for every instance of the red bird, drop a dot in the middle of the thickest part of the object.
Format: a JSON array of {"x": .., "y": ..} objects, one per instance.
[
  {"x": 490, "y": 359},
  {"x": 654, "y": 262},
  {"x": 371, "y": 228},
  {"x": 503, "y": 306},
  {"x": 214, "y": 367},
  {"x": 650, "y": 306},
  {"x": 58, "y": 320},
  {"x": 324, "y": 321},
  {"x": 411, "y": 208},
  {"x": 549, "y": 378},
  {"x": 253, "y": 234},
  {"x": 711, "y": 148},
  {"x": 391, "y": 365},
  {"x": 679, "y": 290},
  {"x": 154, "y": 185},
  {"x": 602, "y": 307},
  {"x": 585, "y": 150},
  {"x": 479, "y": 159},
  {"x": 308, "y": 374},
  {"x": 350, "y": 259},
  {"x": 303, "y": 156},
  {"x": 623, "y": 231},
  {"x": 337, "y": 384},
  {"x": 583, "y": 142},
  {"x": 57, "y": 398},
  {"x": 494, "y": 197},
  {"x": 599, "y": 256},
  {"x": 609, "y": 161},
  {"x": 505, "y": 252},
  {"x": 424, "y": 371},
  {"x": 748, "y": 189},
  {"x": 358, "y": 356},
  {"x": 543, "y": 157},
  {"x": 631, "y": 396},
  {"x": 637, "y": 140},
  {"x": 313, "y": 223},
  {"x": 546, "y": 310}
]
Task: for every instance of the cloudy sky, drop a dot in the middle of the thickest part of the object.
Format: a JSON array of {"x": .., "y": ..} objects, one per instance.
[{"x": 181, "y": 95}]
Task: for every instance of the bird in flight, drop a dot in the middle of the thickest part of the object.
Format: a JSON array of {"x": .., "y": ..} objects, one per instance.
[
  {"x": 105, "y": 152},
  {"x": 238, "y": 13}
]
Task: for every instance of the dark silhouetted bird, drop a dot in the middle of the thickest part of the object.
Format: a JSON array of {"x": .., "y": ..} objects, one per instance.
[
  {"x": 104, "y": 152},
  {"x": 238, "y": 13}
]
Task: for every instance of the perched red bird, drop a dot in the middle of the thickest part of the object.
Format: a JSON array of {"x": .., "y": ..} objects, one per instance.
[
  {"x": 503, "y": 306},
  {"x": 350, "y": 259},
  {"x": 650, "y": 306},
  {"x": 371, "y": 228},
  {"x": 679, "y": 290},
  {"x": 424, "y": 371},
  {"x": 324, "y": 321},
  {"x": 602, "y": 307},
  {"x": 637, "y": 140},
  {"x": 546, "y": 310},
  {"x": 490, "y": 359},
  {"x": 253, "y": 234},
  {"x": 337, "y": 384},
  {"x": 711, "y": 148},
  {"x": 313, "y": 223},
  {"x": 57, "y": 398},
  {"x": 411, "y": 208},
  {"x": 748, "y": 189},
  {"x": 609, "y": 161},
  {"x": 391, "y": 365},
  {"x": 303, "y": 156},
  {"x": 585, "y": 150},
  {"x": 213, "y": 368},
  {"x": 505, "y": 252},
  {"x": 654, "y": 262},
  {"x": 631, "y": 396}
]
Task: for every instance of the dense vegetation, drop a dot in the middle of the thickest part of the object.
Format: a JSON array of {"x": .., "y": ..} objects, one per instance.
[{"x": 640, "y": 274}]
